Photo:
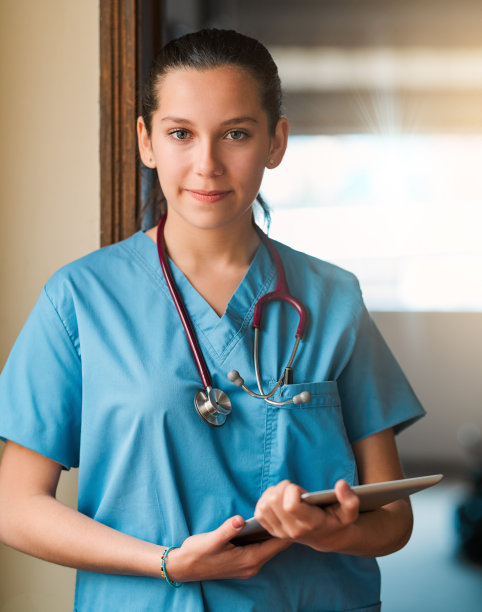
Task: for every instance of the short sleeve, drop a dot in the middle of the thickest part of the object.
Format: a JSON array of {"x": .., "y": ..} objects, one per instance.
[
  {"x": 41, "y": 387},
  {"x": 374, "y": 392}
]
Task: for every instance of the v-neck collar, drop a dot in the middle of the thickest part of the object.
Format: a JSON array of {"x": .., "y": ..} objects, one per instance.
[{"x": 219, "y": 335}]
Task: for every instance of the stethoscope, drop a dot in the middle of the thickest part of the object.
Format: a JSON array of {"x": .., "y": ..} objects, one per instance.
[{"x": 213, "y": 405}]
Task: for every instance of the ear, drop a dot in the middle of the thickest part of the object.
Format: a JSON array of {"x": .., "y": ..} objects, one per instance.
[
  {"x": 144, "y": 143},
  {"x": 278, "y": 144}
]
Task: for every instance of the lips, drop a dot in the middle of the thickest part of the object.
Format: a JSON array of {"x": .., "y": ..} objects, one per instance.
[{"x": 207, "y": 196}]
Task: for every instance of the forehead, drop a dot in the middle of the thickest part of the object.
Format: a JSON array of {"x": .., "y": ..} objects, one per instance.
[{"x": 224, "y": 89}]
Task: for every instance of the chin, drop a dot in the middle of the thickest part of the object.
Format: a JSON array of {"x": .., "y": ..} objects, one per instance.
[{"x": 212, "y": 218}]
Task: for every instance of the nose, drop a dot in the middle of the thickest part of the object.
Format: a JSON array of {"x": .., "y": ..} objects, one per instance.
[{"x": 208, "y": 162}]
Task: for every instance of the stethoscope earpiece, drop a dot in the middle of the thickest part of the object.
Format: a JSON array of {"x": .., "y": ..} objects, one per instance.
[
  {"x": 235, "y": 377},
  {"x": 302, "y": 398}
]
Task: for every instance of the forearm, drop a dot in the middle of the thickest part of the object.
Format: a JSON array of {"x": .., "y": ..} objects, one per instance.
[
  {"x": 43, "y": 527},
  {"x": 34, "y": 522},
  {"x": 373, "y": 534}
]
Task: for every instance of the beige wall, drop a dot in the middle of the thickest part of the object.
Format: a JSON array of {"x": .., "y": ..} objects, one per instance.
[
  {"x": 49, "y": 161},
  {"x": 49, "y": 202},
  {"x": 441, "y": 353}
]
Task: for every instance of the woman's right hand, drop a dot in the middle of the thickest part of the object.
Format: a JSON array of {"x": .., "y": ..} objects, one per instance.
[{"x": 211, "y": 556}]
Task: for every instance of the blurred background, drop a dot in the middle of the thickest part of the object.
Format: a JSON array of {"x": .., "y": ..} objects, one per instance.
[{"x": 381, "y": 177}]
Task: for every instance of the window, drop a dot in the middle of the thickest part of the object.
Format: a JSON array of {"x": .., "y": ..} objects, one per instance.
[{"x": 402, "y": 212}]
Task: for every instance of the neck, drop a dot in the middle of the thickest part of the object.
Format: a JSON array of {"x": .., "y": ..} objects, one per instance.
[
  {"x": 213, "y": 260},
  {"x": 192, "y": 248}
]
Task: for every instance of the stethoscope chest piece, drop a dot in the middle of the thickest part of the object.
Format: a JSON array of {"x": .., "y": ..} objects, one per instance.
[{"x": 212, "y": 405}]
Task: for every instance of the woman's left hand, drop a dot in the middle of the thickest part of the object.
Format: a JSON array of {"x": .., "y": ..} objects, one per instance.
[{"x": 282, "y": 513}]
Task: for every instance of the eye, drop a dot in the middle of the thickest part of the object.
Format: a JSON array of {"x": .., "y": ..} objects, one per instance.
[
  {"x": 236, "y": 135},
  {"x": 179, "y": 134}
]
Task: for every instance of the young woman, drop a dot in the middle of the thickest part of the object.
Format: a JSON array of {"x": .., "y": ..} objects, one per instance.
[{"x": 102, "y": 378}]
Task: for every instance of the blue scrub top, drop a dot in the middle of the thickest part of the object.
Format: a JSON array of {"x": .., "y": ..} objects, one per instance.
[{"x": 102, "y": 378}]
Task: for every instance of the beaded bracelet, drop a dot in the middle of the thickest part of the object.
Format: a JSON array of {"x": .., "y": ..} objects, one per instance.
[{"x": 175, "y": 585}]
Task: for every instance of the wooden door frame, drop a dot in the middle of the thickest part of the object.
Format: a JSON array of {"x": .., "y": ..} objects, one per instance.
[{"x": 130, "y": 35}]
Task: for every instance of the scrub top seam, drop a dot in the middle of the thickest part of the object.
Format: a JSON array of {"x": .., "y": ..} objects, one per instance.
[
  {"x": 63, "y": 323},
  {"x": 355, "y": 319},
  {"x": 265, "y": 473},
  {"x": 154, "y": 274}
]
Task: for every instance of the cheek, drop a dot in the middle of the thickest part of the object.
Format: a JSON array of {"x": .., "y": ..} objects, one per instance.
[
  {"x": 169, "y": 170},
  {"x": 252, "y": 167},
  {"x": 254, "y": 178}
]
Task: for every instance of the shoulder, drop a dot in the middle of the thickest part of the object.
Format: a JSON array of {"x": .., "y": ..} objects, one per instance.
[
  {"x": 93, "y": 278},
  {"x": 325, "y": 280},
  {"x": 96, "y": 267}
]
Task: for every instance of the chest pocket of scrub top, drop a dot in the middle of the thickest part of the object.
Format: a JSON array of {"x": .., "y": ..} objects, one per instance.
[{"x": 307, "y": 443}]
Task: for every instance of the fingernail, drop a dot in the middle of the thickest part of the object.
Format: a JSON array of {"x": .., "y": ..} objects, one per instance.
[{"x": 237, "y": 522}]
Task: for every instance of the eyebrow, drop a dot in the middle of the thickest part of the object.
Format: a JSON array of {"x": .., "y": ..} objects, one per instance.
[{"x": 234, "y": 120}]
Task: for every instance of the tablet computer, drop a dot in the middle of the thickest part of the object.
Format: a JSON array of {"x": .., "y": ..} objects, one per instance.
[{"x": 372, "y": 496}]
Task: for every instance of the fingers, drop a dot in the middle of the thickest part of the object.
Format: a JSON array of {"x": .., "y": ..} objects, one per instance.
[
  {"x": 349, "y": 508},
  {"x": 272, "y": 547},
  {"x": 281, "y": 512},
  {"x": 243, "y": 561},
  {"x": 228, "y": 530},
  {"x": 211, "y": 555},
  {"x": 285, "y": 516}
]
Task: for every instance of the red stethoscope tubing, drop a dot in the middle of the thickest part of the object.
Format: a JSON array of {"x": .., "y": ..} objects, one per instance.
[
  {"x": 176, "y": 298},
  {"x": 280, "y": 292}
]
